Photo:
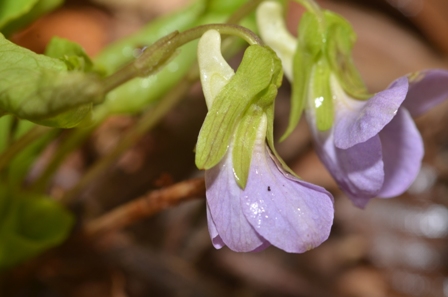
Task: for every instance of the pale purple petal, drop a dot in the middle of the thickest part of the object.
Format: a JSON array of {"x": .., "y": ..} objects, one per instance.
[
  {"x": 358, "y": 121},
  {"x": 214, "y": 235},
  {"x": 291, "y": 214},
  {"x": 402, "y": 154},
  {"x": 359, "y": 170},
  {"x": 426, "y": 90},
  {"x": 223, "y": 200}
]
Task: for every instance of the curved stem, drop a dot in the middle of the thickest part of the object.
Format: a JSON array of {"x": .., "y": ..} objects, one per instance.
[{"x": 159, "y": 53}]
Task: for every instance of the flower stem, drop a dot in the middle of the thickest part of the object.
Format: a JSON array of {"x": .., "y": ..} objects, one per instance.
[{"x": 159, "y": 53}]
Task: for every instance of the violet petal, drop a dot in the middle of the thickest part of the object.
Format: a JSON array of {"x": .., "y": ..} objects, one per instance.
[
  {"x": 402, "y": 154},
  {"x": 214, "y": 235},
  {"x": 223, "y": 200},
  {"x": 357, "y": 121},
  {"x": 359, "y": 170},
  {"x": 291, "y": 214},
  {"x": 426, "y": 90}
]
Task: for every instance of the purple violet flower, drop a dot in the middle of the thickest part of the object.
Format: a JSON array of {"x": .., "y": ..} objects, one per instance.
[
  {"x": 271, "y": 206},
  {"x": 274, "y": 208},
  {"x": 374, "y": 148}
]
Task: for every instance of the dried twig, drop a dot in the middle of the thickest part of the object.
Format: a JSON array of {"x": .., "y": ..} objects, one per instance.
[{"x": 146, "y": 206}]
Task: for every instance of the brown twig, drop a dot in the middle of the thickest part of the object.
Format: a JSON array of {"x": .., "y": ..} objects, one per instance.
[{"x": 146, "y": 206}]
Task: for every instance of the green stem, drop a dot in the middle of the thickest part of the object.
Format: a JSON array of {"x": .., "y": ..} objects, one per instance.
[
  {"x": 21, "y": 143},
  {"x": 159, "y": 53},
  {"x": 149, "y": 119}
]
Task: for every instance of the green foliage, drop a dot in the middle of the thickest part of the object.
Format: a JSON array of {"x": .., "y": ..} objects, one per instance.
[
  {"x": 40, "y": 89},
  {"x": 16, "y": 14},
  {"x": 29, "y": 225}
]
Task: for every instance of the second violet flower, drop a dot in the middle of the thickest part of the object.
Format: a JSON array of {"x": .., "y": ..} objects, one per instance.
[{"x": 369, "y": 143}]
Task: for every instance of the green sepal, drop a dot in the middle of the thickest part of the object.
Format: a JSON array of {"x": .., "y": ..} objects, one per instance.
[
  {"x": 17, "y": 14},
  {"x": 39, "y": 88},
  {"x": 310, "y": 45},
  {"x": 71, "y": 53},
  {"x": 244, "y": 142},
  {"x": 29, "y": 225},
  {"x": 340, "y": 41},
  {"x": 258, "y": 69},
  {"x": 321, "y": 96},
  {"x": 269, "y": 112},
  {"x": 247, "y": 131}
]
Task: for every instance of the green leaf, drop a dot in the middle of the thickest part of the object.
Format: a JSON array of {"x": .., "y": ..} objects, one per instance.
[
  {"x": 39, "y": 88},
  {"x": 71, "y": 53},
  {"x": 5, "y": 126},
  {"x": 340, "y": 41},
  {"x": 255, "y": 74},
  {"x": 309, "y": 50},
  {"x": 29, "y": 225},
  {"x": 321, "y": 96},
  {"x": 17, "y": 14}
]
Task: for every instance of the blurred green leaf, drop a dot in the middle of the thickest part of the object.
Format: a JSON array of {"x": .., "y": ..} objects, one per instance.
[
  {"x": 17, "y": 14},
  {"x": 71, "y": 53},
  {"x": 39, "y": 88},
  {"x": 29, "y": 225}
]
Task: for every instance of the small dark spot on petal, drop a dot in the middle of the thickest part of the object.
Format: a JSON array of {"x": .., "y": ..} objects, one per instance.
[{"x": 269, "y": 189}]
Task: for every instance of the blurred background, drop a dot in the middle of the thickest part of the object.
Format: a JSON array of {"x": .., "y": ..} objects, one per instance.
[{"x": 396, "y": 247}]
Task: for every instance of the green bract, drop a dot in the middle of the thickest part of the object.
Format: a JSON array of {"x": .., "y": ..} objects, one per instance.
[
  {"x": 29, "y": 224},
  {"x": 16, "y": 14},
  {"x": 40, "y": 89},
  {"x": 321, "y": 97},
  {"x": 340, "y": 41},
  {"x": 309, "y": 49},
  {"x": 237, "y": 109}
]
